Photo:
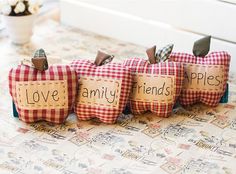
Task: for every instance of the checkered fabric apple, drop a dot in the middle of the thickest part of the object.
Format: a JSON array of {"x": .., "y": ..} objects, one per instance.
[
  {"x": 156, "y": 84},
  {"x": 104, "y": 88},
  {"x": 205, "y": 75},
  {"x": 43, "y": 93}
]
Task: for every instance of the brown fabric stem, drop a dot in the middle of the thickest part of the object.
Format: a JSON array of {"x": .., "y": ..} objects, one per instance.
[
  {"x": 40, "y": 60},
  {"x": 101, "y": 58},
  {"x": 151, "y": 53}
]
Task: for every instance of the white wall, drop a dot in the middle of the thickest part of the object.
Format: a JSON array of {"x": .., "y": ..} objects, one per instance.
[{"x": 148, "y": 22}]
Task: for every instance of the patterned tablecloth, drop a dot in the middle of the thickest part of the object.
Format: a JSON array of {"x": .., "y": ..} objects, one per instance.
[{"x": 197, "y": 139}]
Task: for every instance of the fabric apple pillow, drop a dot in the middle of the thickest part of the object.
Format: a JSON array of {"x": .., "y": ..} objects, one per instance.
[
  {"x": 41, "y": 92},
  {"x": 104, "y": 88},
  {"x": 156, "y": 83},
  {"x": 205, "y": 76}
]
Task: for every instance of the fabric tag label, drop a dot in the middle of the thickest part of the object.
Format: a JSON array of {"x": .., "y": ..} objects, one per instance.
[
  {"x": 153, "y": 88},
  {"x": 99, "y": 91},
  {"x": 34, "y": 95},
  {"x": 203, "y": 77}
]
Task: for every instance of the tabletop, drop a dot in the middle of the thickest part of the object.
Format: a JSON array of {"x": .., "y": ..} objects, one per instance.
[{"x": 195, "y": 139}]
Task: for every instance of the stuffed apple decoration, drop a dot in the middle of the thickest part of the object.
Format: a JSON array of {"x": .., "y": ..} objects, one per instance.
[
  {"x": 156, "y": 83},
  {"x": 205, "y": 76},
  {"x": 104, "y": 88},
  {"x": 42, "y": 92}
]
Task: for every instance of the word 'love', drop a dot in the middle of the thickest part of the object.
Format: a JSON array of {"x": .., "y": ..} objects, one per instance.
[
  {"x": 203, "y": 77},
  {"x": 153, "y": 88},
  {"x": 98, "y": 91},
  {"x": 42, "y": 94}
]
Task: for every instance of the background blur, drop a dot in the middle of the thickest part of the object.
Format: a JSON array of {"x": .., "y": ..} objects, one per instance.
[
  {"x": 149, "y": 22},
  {"x": 153, "y": 22}
]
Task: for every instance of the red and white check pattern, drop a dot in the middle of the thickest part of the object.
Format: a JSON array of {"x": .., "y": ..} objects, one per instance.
[
  {"x": 111, "y": 70},
  {"x": 138, "y": 65},
  {"x": 188, "y": 97},
  {"x": 60, "y": 72}
]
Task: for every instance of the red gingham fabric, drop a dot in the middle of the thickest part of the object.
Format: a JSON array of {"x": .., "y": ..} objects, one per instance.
[
  {"x": 188, "y": 97},
  {"x": 59, "y": 72},
  {"x": 111, "y": 70},
  {"x": 138, "y": 65}
]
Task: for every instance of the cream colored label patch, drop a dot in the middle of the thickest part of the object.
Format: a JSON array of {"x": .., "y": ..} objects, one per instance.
[
  {"x": 153, "y": 88},
  {"x": 97, "y": 91},
  {"x": 42, "y": 94},
  {"x": 203, "y": 77}
]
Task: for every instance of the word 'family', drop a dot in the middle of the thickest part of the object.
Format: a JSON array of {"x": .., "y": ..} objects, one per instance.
[{"x": 103, "y": 92}]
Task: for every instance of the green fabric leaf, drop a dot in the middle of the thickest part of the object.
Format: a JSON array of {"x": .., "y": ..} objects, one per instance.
[
  {"x": 201, "y": 47},
  {"x": 163, "y": 54},
  {"x": 40, "y": 53}
]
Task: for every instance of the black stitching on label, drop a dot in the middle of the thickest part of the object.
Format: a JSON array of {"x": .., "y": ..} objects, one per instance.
[
  {"x": 158, "y": 101},
  {"x": 25, "y": 83},
  {"x": 98, "y": 104}
]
